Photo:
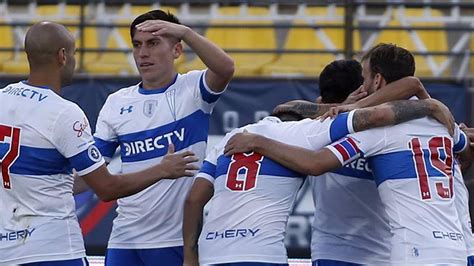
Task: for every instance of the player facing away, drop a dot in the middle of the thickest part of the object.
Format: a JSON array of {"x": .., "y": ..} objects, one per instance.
[
  {"x": 165, "y": 108},
  {"x": 252, "y": 195},
  {"x": 350, "y": 225},
  {"x": 412, "y": 166},
  {"x": 43, "y": 136}
]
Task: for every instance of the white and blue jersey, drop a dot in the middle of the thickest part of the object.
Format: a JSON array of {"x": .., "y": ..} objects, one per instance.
[
  {"x": 350, "y": 223},
  {"x": 253, "y": 195},
  {"x": 461, "y": 199},
  {"x": 42, "y": 137},
  {"x": 412, "y": 164},
  {"x": 143, "y": 123}
]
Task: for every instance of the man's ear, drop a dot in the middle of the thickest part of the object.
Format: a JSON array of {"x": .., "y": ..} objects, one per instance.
[
  {"x": 177, "y": 49},
  {"x": 379, "y": 81},
  {"x": 61, "y": 56}
]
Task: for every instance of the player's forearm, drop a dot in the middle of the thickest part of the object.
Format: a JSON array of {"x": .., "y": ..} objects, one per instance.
[
  {"x": 200, "y": 193},
  {"x": 110, "y": 187},
  {"x": 305, "y": 108},
  {"x": 80, "y": 185},
  {"x": 211, "y": 55},
  {"x": 298, "y": 159},
  {"x": 192, "y": 226},
  {"x": 391, "y": 113},
  {"x": 401, "y": 89}
]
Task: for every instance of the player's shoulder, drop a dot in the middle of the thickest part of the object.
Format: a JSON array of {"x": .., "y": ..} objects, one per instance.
[{"x": 125, "y": 91}]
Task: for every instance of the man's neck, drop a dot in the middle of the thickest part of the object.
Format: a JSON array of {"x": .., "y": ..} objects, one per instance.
[
  {"x": 43, "y": 79},
  {"x": 159, "y": 83}
]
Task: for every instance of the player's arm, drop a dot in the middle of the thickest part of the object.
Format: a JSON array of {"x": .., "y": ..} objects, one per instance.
[
  {"x": 398, "y": 90},
  {"x": 80, "y": 185},
  {"x": 109, "y": 187},
  {"x": 201, "y": 192},
  {"x": 317, "y": 162},
  {"x": 220, "y": 65},
  {"x": 397, "y": 112}
]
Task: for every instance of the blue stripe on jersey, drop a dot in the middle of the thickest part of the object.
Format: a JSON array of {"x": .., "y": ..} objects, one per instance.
[
  {"x": 107, "y": 148},
  {"x": 398, "y": 165},
  {"x": 153, "y": 143},
  {"x": 208, "y": 168},
  {"x": 458, "y": 147},
  {"x": 267, "y": 167},
  {"x": 206, "y": 95},
  {"x": 37, "y": 161},
  {"x": 85, "y": 159},
  {"x": 338, "y": 128}
]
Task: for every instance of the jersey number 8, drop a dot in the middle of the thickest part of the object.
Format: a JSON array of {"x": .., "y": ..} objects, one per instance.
[
  {"x": 12, "y": 154},
  {"x": 250, "y": 165}
]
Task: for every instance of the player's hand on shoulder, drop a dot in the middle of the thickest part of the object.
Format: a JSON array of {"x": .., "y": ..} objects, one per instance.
[
  {"x": 179, "y": 164},
  {"x": 241, "y": 142},
  {"x": 163, "y": 28},
  {"x": 334, "y": 111},
  {"x": 442, "y": 113}
]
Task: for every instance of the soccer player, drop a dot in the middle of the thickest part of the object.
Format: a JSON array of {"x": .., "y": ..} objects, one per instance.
[
  {"x": 253, "y": 195},
  {"x": 43, "y": 136},
  {"x": 412, "y": 165},
  {"x": 165, "y": 108},
  {"x": 349, "y": 225}
]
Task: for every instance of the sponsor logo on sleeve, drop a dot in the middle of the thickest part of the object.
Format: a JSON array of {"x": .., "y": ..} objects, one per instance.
[{"x": 80, "y": 126}]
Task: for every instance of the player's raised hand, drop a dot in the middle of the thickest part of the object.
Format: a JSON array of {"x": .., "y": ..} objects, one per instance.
[
  {"x": 178, "y": 164},
  {"x": 356, "y": 95},
  {"x": 241, "y": 142},
  {"x": 163, "y": 28},
  {"x": 441, "y": 113},
  {"x": 334, "y": 111}
]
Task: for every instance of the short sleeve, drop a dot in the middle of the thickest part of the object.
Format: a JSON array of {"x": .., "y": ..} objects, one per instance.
[
  {"x": 205, "y": 98},
  {"x": 208, "y": 168},
  {"x": 73, "y": 139},
  {"x": 460, "y": 140},
  {"x": 365, "y": 143},
  {"x": 105, "y": 136}
]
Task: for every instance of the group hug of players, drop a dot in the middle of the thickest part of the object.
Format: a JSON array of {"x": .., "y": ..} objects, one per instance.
[{"x": 385, "y": 170}]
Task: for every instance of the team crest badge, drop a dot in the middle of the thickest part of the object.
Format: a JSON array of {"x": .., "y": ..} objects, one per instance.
[
  {"x": 149, "y": 107},
  {"x": 94, "y": 153}
]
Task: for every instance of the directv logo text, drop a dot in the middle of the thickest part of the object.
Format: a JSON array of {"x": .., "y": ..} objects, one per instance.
[
  {"x": 151, "y": 144},
  {"x": 25, "y": 92}
]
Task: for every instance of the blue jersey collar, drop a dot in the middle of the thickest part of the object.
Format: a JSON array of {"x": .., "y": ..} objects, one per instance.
[{"x": 144, "y": 91}]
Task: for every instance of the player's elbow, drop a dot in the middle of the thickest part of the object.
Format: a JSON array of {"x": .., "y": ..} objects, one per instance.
[{"x": 228, "y": 69}]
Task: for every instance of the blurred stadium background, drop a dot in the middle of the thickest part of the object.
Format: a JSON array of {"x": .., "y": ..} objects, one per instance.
[{"x": 280, "y": 47}]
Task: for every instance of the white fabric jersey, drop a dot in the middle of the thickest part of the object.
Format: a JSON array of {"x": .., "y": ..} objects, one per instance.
[
  {"x": 350, "y": 223},
  {"x": 254, "y": 195},
  {"x": 143, "y": 123},
  {"x": 461, "y": 199},
  {"x": 412, "y": 167},
  {"x": 42, "y": 136}
]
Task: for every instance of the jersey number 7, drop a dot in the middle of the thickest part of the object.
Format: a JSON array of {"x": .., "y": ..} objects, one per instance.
[
  {"x": 436, "y": 146},
  {"x": 250, "y": 165},
  {"x": 12, "y": 154}
]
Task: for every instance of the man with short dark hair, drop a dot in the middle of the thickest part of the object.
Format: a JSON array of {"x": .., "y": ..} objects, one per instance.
[
  {"x": 165, "y": 108},
  {"x": 43, "y": 136}
]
